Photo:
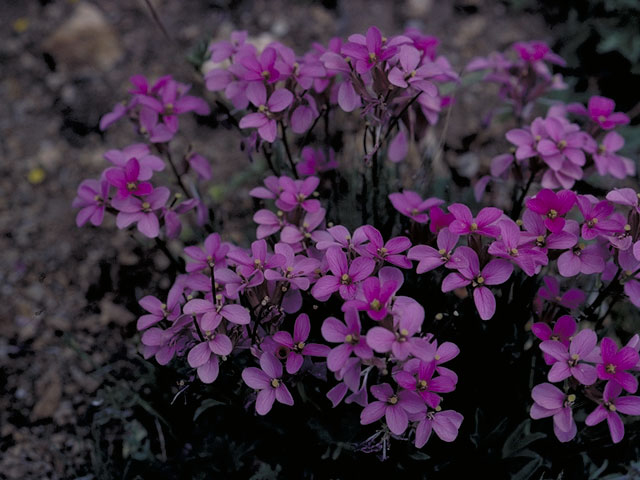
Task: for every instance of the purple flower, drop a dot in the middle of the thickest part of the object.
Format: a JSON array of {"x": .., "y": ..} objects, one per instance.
[
  {"x": 92, "y": 199},
  {"x": 158, "y": 311},
  {"x": 264, "y": 119},
  {"x": 483, "y": 224},
  {"x": 572, "y": 298},
  {"x": 445, "y": 423},
  {"x": 581, "y": 259},
  {"x": 258, "y": 262},
  {"x": 126, "y": 180},
  {"x": 296, "y": 193},
  {"x": 314, "y": 161},
  {"x": 260, "y": 69},
  {"x": 399, "y": 340},
  {"x": 410, "y": 72},
  {"x": 562, "y": 332},
  {"x": 630, "y": 265},
  {"x": 148, "y": 163},
  {"x": 348, "y": 335},
  {"x": 296, "y": 347},
  {"x": 135, "y": 210},
  {"x": 565, "y": 143},
  {"x": 410, "y": 204},
  {"x": 551, "y": 401},
  {"x": 367, "y": 51},
  {"x": 268, "y": 222},
  {"x": 213, "y": 313},
  {"x": 294, "y": 235},
  {"x": 268, "y": 381},
  {"x": 553, "y": 206},
  {"x": 296, "y": 269},
  {"x": 390, "y": 251},
  {"x": 204, "y": 356},
  {"x": 213, "y": 255},
  {"x": 536, "y": 232},
  {"x": 596, "y": 218},
  {"x": 430, "y": 258},
  {"x": 611, "y": 405},
  {"x": 570, "y": 362},
  {"x": 377, "y": 293},
  {"x": 615, "y": 363},
  {"x": 494, "y": 273},
  {"x": 601, "y": 111},
  {"x": 345, "y": 278},
  {"x": 417, "y": 376},
  {"x": 510, "y": 246},
  {"x": 394, "y": 407},
  {"x": 606, "y": 160}
]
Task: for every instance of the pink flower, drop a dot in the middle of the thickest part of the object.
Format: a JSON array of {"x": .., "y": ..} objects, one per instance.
[
  {"x": 429, "y": 258},
  {"x": 367, "y": 51},
  {"x": 566, "y": 142},
  {"x": 394, "y": 407},
  {"x": 494, "y": 273},
  {"x": 92, "y": 199},
  {"x": 211, "y": 314},
  {"x": 296, "y": 193},
  {"x": 148, "y": 163},
  {"x": 377, "y": 293},
  {"x": 553, "y": 206},
  {"x": 581, "y": 259},
  {"x": 268, "y": 222},
  {"x": 570, "y": 362},
  {"x": 258, "y": 262},
  {"x": 601, "y": 111},
  {"x": 204, "y": 356},
  {"x": 126, "y": 180},
  {"x": 345, "y": 278},
  {"x": 296, "y": 346},
  {"x": 409, "y": 72},
  {"x": 510, "y": 246},
  {"x": 400, "y": 340},
  {"x": 313, "y": 161},
  {"x": 445, "y": 423},
  {"x": 611, "y": 405},
  {"x": 268, "y": 381},
  {"x": 615, "y": 363},
  {"x": 439, "y": 219},
  {"x": 606, "y": 160},
  {"x": 135, "y": 210},
  {"x": 213, "y": 255},
  {"x": 541, "y": 239},
  {"x": 158, "y": 311},
  {"x": 296, "y": 270},
  {"x": 409, "y": 203},
  {"x": 630, "y": 264},
  {"x": 260, "y": 69},
  {"x": 562, "y": 332},
  {"x": 417, "y": 376},
  {"x": 572, "y": 298},
  {"x": 348, "y": 335},
  {"x": 551, "y": 401},
  {"x": 264, "y": 119},
  {"x": 389, "y": 251},
  {"x": 483, "y": 224},
  {"x": 295, "y": 235},
  {"x": 596, "y": 218}
]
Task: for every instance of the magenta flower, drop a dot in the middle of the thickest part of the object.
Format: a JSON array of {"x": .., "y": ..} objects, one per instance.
[
  {"x": 148, "y": 163},
  {"x": 305, "y": 231},
  {"x": 295, "y": 348},
  {"x": 348, "y": 335},
  {"x": 268, "y": 381},
  {"x": 439, "y": 219},
  {"x": 135, "y": 210},
  {"x": 526, "y": 140},
  {"x": 126, "y": 180},
  {"x": 601, "y": 111},
  {"x": 345, "y": 278},
  {"x": 264, "y": 119},
  {"x": 213, "y": 255},
  {"x": 259, "y": 260},
  {"x": 417, "y": 376},
  {"x": 377, "y": 293},
  {"x": 165, "y": 344},
  {"x": 367, "y": 51},
  {"x": 606, "y": 160},
  {"x": 394, "y": 407},
  {"x": 409, "y": 72},
  {"x": 410, "y": 204},
  {"x": 581, "y": 259},
  {"x": 390, "y": 251},
  {"x": 483, "y": 224},
  {"x": 553, "y": 206},
  {"x": 510, "y": 246},
  {"x": 611, "y": 405},
  {"x": 535, "y": 51},
  {"x": 313, "y": 161},
  {"x": 570, "y": 362},
  {"x": 268, "y": 222},
  {"x": 339, "y": 236},
  {"x": 565, "y": 142},
  {"x": 536, "y": 232},
  {"x": 615, "y": 363},
  {"x": 223, "y": 50},
  {"x": 562, "y": 332},
  {"x": 630, "y": 264},
  {"x": 260, "y": 69},
  {"x": 204, "y": 356},
  {"x": 551, "y": 401},
  {"x": 445, "y": 423},
  {"x": 495, "y": 272},
  {"x": 296, "y": 193},
  {"x": 400, "y": 341},
  {"x": 596, "y": 218},
  {"x": 429, "y": 258},
  {"x": 571, "y": 299},
  {"x": 212, "y": 314},
  {"x": 158, "y": 311},
  {"x": 92, "y": 199}
]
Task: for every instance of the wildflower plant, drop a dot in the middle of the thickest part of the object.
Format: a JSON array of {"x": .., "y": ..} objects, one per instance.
[{"x": 376, "y": 301}]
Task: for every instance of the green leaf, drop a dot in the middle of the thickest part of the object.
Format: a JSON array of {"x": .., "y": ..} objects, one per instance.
[{"x": 207, "y": 404}]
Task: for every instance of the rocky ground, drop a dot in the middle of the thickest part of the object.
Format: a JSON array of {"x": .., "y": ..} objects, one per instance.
[{"x": 65, "y": 326}]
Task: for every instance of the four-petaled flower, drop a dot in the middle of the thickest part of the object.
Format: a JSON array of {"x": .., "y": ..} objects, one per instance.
[{"x": 268, "y": 381}]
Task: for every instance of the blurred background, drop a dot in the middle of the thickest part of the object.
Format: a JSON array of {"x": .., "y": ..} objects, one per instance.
[{"x": 74, "y": 392}]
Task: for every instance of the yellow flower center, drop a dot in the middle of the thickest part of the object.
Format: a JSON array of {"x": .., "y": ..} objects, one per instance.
[
  {"x": 611, "y": 368},
  {"x": 345, "y": 279},
  {"x": 275, "y": 383},
  {"x": 552, "y": 213},
  {"x": 375, "y": 305},
  {"x": 474, "y": 226},
  {"x": 393, "y": 400}
]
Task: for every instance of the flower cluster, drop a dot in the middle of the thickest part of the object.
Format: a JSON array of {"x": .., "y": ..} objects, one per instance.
[{"x": 311, "y": 298}]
